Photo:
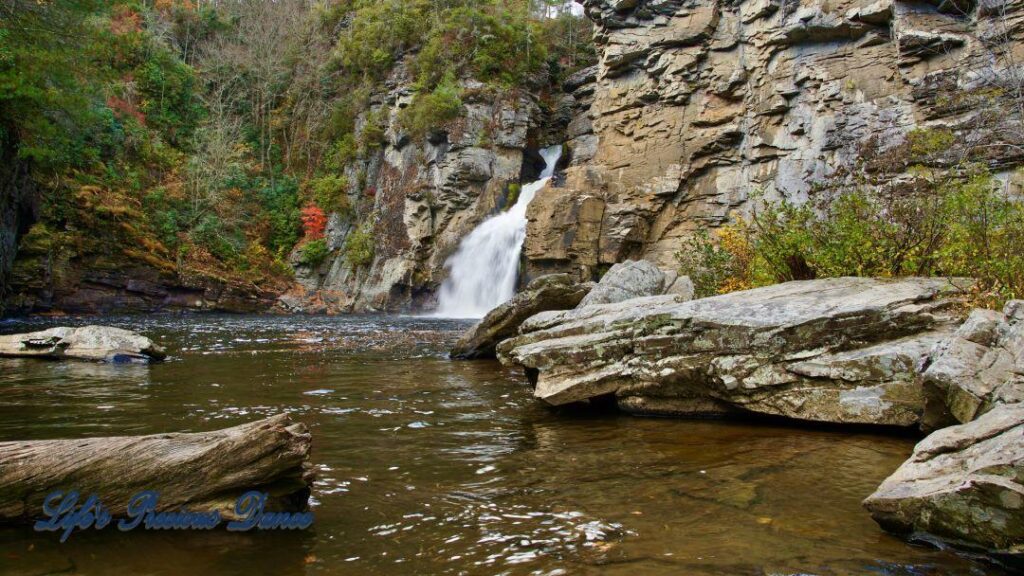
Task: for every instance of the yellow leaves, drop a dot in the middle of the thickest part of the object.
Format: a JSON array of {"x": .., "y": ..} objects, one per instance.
[
  {"x": 736, "y": 240},
  {"x": 149, "y": 258}
]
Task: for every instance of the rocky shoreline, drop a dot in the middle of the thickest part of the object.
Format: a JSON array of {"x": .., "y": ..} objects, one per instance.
[{"x": 846, "y": 351}]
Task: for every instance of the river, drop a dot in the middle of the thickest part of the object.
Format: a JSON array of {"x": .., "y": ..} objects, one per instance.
[{"x": 430, "y": 466}]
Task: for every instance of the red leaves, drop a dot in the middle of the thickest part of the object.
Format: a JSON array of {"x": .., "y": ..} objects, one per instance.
[
  {"x": 123, "y": 108},
  {"x": 314, "y": 222}
]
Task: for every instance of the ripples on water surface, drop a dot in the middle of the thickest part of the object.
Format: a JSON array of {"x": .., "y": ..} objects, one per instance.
[{"x": 429, "y": 466}]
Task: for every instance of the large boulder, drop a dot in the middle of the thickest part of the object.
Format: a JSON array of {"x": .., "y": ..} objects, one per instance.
[
  {"x": 962, "y": 487},
  {"x": 551, "y": 292},
  {"x": 95, "y": 343},
  {"x": 630, "y": 279},
  {"x": 977, "y": 368},
  {"x": 834, "y": 350}
]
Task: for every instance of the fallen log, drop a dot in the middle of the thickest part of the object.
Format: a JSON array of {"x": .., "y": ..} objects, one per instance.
[
  {"x": 94, "y": 343},
  {"x": 202, "y": 471}
]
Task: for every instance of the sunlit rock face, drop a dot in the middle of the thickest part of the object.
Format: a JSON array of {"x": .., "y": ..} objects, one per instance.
[
  {"x": 842, "y": 350},
  {"x": 698, "y": 105}
]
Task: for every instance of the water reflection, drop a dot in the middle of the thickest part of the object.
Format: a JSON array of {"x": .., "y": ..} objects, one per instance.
[{"x": 434, "y": 467}]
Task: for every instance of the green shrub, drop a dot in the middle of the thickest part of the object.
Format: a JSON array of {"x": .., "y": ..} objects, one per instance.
[
  {"x": 359, "y": 247},
  {"x": 168, "y": 217},
  {"x": 221, "y": 241},
  {"x": 373, "y": 135},
  {"x": 496, "y": 42},
  {"x": 331, "y": 193},
  {"x": 434, "y": 109},
  {"x": 313, "y": 253},
  {"x": 707, "y": 264},
  {"x": 957, "y": 223},
  {"x": 378, "y": 31},
  {"x": 342, "y": 152},
  {"x": 279, "y": 200},
  {"x": 514, "y": 190}
]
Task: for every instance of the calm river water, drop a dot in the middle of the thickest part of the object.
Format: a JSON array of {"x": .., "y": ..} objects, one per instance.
[{"x": 428, "y": 466}]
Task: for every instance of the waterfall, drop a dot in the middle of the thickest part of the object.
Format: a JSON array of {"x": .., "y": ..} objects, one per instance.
[{"x": 484, "y": 269}]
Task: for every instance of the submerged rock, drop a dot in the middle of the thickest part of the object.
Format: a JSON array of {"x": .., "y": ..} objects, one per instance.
[
  {"x": 551, "y": 292},
  {"x": 96, "y": 343},
  {"x": 977, "y": 368},
  {"x": 834, "y": 350},
  {"x": 630, "y": 279},
  {"x": 962, "y": 487}
]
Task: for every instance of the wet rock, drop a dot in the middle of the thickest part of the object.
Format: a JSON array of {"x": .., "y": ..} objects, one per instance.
[
  {"x": 96, "y": 343},
  {"x": 625, "y": 281},
  {"x": 962, "y": 487},
  {"x": 552, "y": 292},
  {"x": 978, "y": 367},
  {"x": 835, "y": 350}
]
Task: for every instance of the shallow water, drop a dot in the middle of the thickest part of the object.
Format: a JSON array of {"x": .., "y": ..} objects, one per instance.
[{"x": 436, "y": 467}]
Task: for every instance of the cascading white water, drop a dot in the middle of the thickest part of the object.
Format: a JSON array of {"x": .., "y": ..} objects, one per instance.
[{"x": 483, "y": 270}]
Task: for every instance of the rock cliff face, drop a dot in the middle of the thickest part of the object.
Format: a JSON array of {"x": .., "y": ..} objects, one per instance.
[
  {"x": 17, "y": 207},
  {"x": 429, "y": 194},
  {"x": 697, "y": 105}
]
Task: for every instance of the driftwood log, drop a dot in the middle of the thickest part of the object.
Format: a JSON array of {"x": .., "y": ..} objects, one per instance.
[{"x": 202, "y": 471}]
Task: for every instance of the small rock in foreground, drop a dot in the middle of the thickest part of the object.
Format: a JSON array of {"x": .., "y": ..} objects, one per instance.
[
  {"x": 94, "y": 343},
  {"x": 962, "y": 487}
]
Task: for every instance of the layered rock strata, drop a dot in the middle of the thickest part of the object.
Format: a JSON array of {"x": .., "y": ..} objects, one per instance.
[
  {"x": 977, "y": 368},
  {"x": 701, "y": 106},
  {"x": 844, "y": 350}
]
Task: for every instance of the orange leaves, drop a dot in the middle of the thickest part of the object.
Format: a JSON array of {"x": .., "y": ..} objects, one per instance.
[
  {"x": 125, "y": 20},
  {"x": 169, "y": 5},
  {"x": 314, "y": 222}
]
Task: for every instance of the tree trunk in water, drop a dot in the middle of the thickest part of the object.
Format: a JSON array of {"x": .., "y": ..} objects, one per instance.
[{"x": 202, "y": 471}]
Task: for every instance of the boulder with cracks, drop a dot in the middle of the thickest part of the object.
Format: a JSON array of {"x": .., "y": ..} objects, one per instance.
[
  {"x": 842, "y": 350},
  {"x": 962, "y": 488}
]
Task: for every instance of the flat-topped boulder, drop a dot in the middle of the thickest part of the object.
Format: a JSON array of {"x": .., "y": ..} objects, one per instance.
[
  {"x": 94, "y": 343},
  {"x": 845, "y": 350},
  {"x": 962, "y": 487},
  {"x": 546, "y": 293}
]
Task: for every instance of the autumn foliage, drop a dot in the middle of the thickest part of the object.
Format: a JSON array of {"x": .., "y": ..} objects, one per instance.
[
  {"x": 314, "y": 222},
  {"x": 123, "y": 109}
]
